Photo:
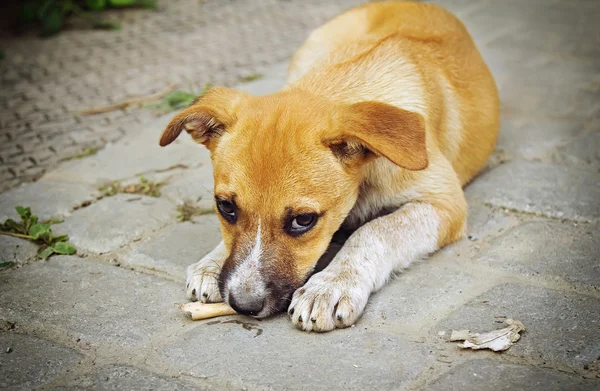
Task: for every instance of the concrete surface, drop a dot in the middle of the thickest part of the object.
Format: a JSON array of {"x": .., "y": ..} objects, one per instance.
[{"x": 106, "y": 318}]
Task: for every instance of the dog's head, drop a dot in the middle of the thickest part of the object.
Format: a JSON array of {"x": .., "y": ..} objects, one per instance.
[{"x": 288, "y": 169}]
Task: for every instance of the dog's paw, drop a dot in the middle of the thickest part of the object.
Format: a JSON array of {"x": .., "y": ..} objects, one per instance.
[
  {"x": 203, "y": 281},
  {"x": 328, "y": 301}
]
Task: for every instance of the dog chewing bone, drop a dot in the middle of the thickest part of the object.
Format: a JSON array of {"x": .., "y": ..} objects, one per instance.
[{"x": 199, "y": 311}]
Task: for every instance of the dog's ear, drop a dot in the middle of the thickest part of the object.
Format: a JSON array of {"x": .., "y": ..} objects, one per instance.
[
  {"x": 372, "y": 128},
  {"x": 207, "y": 118}
]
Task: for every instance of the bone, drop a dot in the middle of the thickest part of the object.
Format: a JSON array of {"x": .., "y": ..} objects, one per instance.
[{"x": 199, "y": 311}]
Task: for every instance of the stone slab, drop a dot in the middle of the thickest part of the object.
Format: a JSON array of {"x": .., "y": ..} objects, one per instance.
[
  {"x": 17, "y": 251},
  {"x": 118, "y": 377},
  {"x": 46, "y": 198},
  {"x": 32, "y": 362},
  {"x": 484, "y": 222},
  {"x": 195, "y": 186},
  {"x": 562, "y": 327},
  {"x": 549, "y": 249},
  {"x": 135, "y": 155},
  {"x": 272, "y": 82},
  {"x": 584, "y": 150},
  {"x": 99, "y": 303},
  {"x": 177, "y": 246},
  {"x": 486, "y": 374},
  {"x": 113, "y": 222},
  {"x": 281, "y": 357},
  {"x": 547, "y": 189},
  {"x": 535, "y": 138},
  {"x": 421, "y": 296}
]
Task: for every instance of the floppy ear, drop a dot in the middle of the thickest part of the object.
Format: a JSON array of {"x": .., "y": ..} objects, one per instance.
[
  {"x": 381, "y": 129},
  {"x": 207, "y": 118}
]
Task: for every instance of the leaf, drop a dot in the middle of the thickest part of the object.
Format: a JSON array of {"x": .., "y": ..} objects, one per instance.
[
  {"x": 52, "y": 22},
  {"x": 29, "y": 11},
  {"x": 64, "y": 248},
  {"x": 39, "y": 230},
  {"x": 122, "y": 3},
  {"x": 61, "y": 238},
  {"x": 95, "y": 5},
  {"x": 12, "y": 226},
  {"x": 24, "y": 213},
  {"x": 5, "y": 264},
  {"x": 45, "y": 253}
]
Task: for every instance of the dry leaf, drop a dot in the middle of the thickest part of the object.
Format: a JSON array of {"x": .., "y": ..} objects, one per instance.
[{"x": 496, "y": 340}]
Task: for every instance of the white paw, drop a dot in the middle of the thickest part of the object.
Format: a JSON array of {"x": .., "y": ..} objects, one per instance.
[
  {"x": 327, "y": 301},
  {"x": 203, "y": 280}
]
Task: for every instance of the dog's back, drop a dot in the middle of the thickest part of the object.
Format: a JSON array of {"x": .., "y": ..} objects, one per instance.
[{"x": 416, "y": 56}]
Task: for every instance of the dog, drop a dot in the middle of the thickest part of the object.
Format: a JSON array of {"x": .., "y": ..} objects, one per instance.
[{"x": 388, "y": 111}]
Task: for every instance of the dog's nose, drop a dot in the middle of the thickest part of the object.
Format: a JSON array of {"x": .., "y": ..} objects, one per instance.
[{"x": 245, "y": 304}]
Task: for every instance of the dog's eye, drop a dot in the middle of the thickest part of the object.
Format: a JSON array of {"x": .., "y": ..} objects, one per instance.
[
  {"x": 227, "y": 210},
  {"x": 302, "y": 223}
]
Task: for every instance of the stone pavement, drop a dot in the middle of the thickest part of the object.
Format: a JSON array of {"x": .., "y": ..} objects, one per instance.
[
  {"x": 105, "y": 318},
  {"x": 45, "y": 83}
]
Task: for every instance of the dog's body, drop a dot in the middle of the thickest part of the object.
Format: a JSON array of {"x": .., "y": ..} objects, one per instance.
[{"x": 389, "y": 110}]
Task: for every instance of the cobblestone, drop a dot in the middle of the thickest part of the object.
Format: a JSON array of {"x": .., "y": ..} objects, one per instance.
[
  {"x": 362, "y": 358},
  {"x": 15, "y": 250},
  {"x": 488, "y": 374},
  {"x": 549, "y": 249},
  {"x": 176, "y": 247},
  {"x": 115, "y": 221},
  {"x": 28, "y": 362},
  {"x": 547, "y": 189},
  {"x": 47, "y": 198},
  {"x": 78, "y": 69},
  {"x": 97, "y": 303},
  {"x": 120, "y": 377},
  {"x": 561, "y": 327}
]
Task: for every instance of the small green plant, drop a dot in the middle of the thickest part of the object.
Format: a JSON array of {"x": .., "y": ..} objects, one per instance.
[
  {"x": 178, "y": 100},
  {"x": 144, "y": 187},
  {"x": 86, "y": 152},
  {"x": 52, "y": 14},
  {"x": 251, "y": 77},
  {"x": 29, "y": 228},
  {"x": 187, "y": 210}
]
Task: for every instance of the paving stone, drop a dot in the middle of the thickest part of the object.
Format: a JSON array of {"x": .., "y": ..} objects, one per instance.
[
  {"x": 273, "y": 81},
  {"x": 117, "y": 377},
  {"x": 32, "y": 362},
  {"x": 422, "y": 295},
  {"x": 17, "y": 251},
  {"x": 535, "y": 138},
  {"x": 99, "y": 303},
  {"x": 115, "y": 221},
  {"x": 562, "y": 327},
  {"x": 584, "y": 150},
  {"x": 47, "y": 198},
  {"x": 484, "y": 222},
  {"x": 280, "y": 357},
  {"x": 547, "y": 189},
  {"x": 485, "y": 374},
  {"x": 195, "y": 186},
  {"x": 177, "y": 246},
  {"x": 549, "y": 249},
  {"x": 135, "y": 155}
]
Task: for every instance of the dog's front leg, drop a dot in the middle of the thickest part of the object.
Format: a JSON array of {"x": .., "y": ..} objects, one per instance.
[
  {"x": 203, "y": 276},
  {"x": 336, "y": 297}
]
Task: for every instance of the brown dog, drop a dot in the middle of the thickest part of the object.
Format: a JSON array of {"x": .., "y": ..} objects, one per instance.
[{"x": 389, "y": 111}]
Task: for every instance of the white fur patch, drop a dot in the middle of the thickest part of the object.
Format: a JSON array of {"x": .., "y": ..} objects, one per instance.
[
  {"x": 246, "y": 280},
  {"x": 337, "y": 296},
  {"x": 202, "y": 280}
]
